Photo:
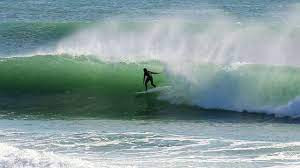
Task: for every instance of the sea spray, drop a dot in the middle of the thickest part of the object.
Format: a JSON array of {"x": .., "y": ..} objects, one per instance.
[
  {"x": 197, "y": 58},
  {"x": 185, "y": 47}
]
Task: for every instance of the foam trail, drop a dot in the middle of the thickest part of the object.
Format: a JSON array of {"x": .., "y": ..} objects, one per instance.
[{"x": 14, "y": 157}]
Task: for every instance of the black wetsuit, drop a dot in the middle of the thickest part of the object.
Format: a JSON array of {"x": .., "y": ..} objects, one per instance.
[{"x": 148, "y": 76}]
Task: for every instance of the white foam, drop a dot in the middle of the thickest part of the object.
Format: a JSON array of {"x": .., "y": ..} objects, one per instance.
[
  {"x": 179, "y": 41},
  {"x": 182, "y": 44},
  {"x": 27, "y": 158},
  {"x": 290, "y": 109}
]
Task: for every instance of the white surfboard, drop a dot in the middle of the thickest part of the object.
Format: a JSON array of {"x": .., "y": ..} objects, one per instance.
[{"x": 157, "y": 89}]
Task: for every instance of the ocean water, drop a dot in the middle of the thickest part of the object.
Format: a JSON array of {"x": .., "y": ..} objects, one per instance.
[{"x": 69, "y": 73}]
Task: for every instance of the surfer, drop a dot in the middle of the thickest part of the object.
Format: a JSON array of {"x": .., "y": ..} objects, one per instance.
[{"x": 148, "y": 77}]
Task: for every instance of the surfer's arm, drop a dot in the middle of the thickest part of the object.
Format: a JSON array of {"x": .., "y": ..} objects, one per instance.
[
  {"x": 144, "y": 78},
  {"x": 154, "y": 72}
]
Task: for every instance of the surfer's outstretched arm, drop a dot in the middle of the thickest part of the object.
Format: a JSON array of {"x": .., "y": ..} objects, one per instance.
[{"x": 154, "y": 72}]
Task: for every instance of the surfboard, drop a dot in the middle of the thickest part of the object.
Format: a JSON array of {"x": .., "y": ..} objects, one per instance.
[{"x": 153, "y": 90}]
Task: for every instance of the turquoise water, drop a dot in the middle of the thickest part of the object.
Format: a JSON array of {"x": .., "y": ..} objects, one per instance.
[{"x": 69, "y": 73}]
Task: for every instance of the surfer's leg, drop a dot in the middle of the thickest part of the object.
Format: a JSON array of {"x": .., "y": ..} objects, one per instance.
[
  {"x": 146, "y": 84},
  {"x": 152, "y": 82}
]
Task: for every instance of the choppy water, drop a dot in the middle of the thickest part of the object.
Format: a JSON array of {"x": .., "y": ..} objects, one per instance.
[{"x": 115, "y": 143}]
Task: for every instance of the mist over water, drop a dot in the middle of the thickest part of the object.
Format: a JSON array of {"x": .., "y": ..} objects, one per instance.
[
  {"x": 212, "y": 57},
  {"x": 243, "y": 57},
  {"x": 220, "y": 39}
]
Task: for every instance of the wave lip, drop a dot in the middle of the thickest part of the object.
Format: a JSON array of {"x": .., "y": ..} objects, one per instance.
[
  {"x": 41, "y": 80},
  {"x": 216, "y": 64}
]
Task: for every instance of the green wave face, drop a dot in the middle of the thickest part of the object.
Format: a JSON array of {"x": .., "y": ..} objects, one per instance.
[
  {"x": 55, "y": 73},
  {"x": 86, "y": 87},
  {"x": 67, "y": 86},
  {"x": 197, "y": 59}
]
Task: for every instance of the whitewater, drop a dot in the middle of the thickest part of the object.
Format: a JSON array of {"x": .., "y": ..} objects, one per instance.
[
  {"x": 217, "y": 64},
  {"x": 69, "y": 73}
]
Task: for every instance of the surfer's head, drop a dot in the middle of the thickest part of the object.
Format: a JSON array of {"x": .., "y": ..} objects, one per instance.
[{"x": 145, "y": 70}]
